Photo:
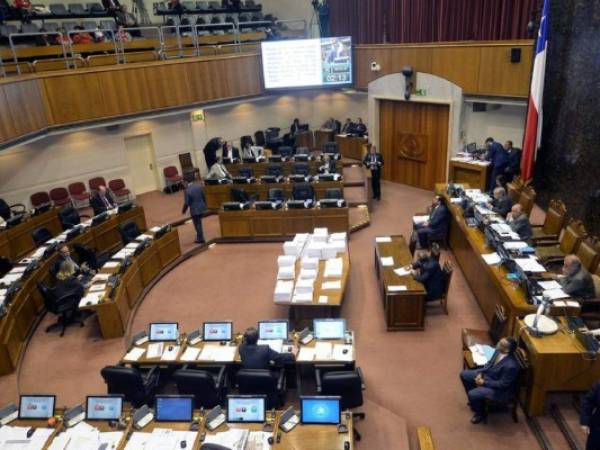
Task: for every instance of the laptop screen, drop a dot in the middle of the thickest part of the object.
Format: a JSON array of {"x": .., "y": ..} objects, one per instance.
[
  {"x": 164, "y": 331},
  {"x": 329, "y": 328},
  {"x": 36, "y": 406},
  {"x": 320, "y": 410},
  {"x": 273, "y": 329},
  {"x": 246, "y": 409},
  {"x": 103, "y": 407},
  {"x": 218, "y": 331},
  {"x": 174, "y": 408}
]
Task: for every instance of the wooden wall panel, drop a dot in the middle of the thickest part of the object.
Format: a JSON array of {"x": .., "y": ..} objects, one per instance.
[
  {"x": 459, "y": 65},
  {"x": 499, "y": 76},
  {"x": 167, "y": 85},
  {"x": 21, "y": 109},
  {"x": 7, "y": 124},
  {"x": 125, "y": 91},
  {"x": 74, "y": 97},
  {"x": 363, "y": 74}
]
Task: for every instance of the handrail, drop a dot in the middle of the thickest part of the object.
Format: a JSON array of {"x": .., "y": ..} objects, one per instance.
[
  {"x": 90, "y": 31},
  {"x": 49, "y": 33}
]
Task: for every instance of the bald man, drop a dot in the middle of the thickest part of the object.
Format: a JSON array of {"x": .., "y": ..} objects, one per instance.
[
  {"x": 577, "y": 281},
  {"x": 501, "y": 203},
  {"x": 519, "y": 222},
  {"x": 102, "y": 201}
]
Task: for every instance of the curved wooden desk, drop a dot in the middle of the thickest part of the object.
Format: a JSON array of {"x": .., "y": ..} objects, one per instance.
[
  {"x": 16, "y": 242},
  {"x": 260, "y": 168}
]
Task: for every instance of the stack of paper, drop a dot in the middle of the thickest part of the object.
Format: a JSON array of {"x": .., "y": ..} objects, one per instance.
[
  {"x": 301, "y": 238},
  {"x": 286, "y": 260},
  {"x": 170, "y": 353},
  {"x": 334, "y": 268},
  {"x": 190, "y": 354},
  {"x": 323, "y": 351},
  {"x": 333, "y": 237},
  {"x": 310, "y": 263},
  {"x": 402, "y": 271},
  {"x": 315, "y": 249},
  {"x": 98, "y": 287},
  {"x": 16, "y": 438},
  {"x": 555, "y": 294},
  {"x": 10, "y": 278},
  {"x": 286, "y": 273},
  {"x": 283, "y": 291},
  {"x": 134, "y": 354},
  {"x": 551, "y": 284},
  {"x": 329, "y": 250},
  {"x": 515, "y": 245},
  {"x": 39, "y": 252},
  {"x": 491, "y": 258},
  {"x": 91, "y": 299},
  {"x": 292, "y": 248},
  {"x": 418, "y": 220},
  {"x": 331, "y": 285},
  {"x": 529, "y": 265},
  {"x": 155, "y": 350},
  {"x": 218, "y": 353},
  {"x": 339, "y": 246},
  {"x": 302, "y": 297},
  {"x": 304, "y": 286},
  {"x": 320, "y": 235},
  {"x": 308, "y": 273},
  {"x": 387, "y": 261},
  {"x": 155, "y": 229},
  {"x": 234, "y": 439},
  {"x": 111, "y": 264},
  {"x": 161, "y": 439},
  {"x": 383, "y": 239},
  {"x": 306, "y": 354},
  {"x": 100, "y": 277}
]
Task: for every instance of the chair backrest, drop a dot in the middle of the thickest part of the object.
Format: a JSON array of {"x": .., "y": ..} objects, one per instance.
[
  {"x": 116, "y": 184},
  {"x": 259, "y": 138},
  {"x": 126, "y": 381},
  {"x": 514, "y": 189},
  {"x": 303, "y": 191},
  {"x": 58, "y": 9},
  {"x": 129, "y": 231},
  {"x": 330, "y": 147},
  {"x": 86, "y": 255},
  {"x": 69, "y": 217},
  {"x": 76, "y": 8},
  {"x": 596, "y": 279},
  {"x": 185, "y": 159},
  {"x": 170, "y": 171},
  {"x": 59, "y": 194},
  {"x": 41, "y": 235},
  {"x": 76, "y": 188},
  {"x": 239, "y": 195},
  {"x": 5, "y": 212},
  {"x": 276, "y": 194},
  {"x": 246, "y": 140},
  {"x": 48, "y": 297},
  {"x": 50, "y": 65},
  {"x": 302, "y": 151},
  {"x": 588, "y": 252},
  {"x": 572, "y": 235},
  {"x": 96, "y": 182},
  {"x": 246, "y": 172},
  {"x": 527, "y": 199},
  {"x": 334, "y": 193},
  {"x": 447, "y": 269},
  {"x": 200, "y": 384},
  {"x": 285, "y": 150},
  {"x": 555, "y": 217},
  {"x": 498, "y": 323},
  {"x": 274, "y": 169},
  {"x": 347, "y": 384},
  {"x": 256, "y": 381},
  {"x": 5, "y": 266},
  {"x": 39, "y": 199},
  {"x": 301, "y": 168}
]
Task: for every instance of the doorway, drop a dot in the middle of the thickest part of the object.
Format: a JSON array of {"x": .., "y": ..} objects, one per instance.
[
  {"x": 413, "y": 139},
  {"x": 142, "y": 163}
]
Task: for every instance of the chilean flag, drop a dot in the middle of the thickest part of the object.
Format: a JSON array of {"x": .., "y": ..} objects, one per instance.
[{"x": 533, "y": 126}]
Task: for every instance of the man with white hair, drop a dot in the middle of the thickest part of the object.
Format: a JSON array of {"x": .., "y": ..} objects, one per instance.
[
  {"x": 519, "y": 222},
  {"x": 576, "y": 281},
  {"x": 501, "y": 203}
]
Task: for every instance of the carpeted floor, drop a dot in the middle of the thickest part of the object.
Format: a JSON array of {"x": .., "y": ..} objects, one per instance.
[{"x": 411, "y": 377}]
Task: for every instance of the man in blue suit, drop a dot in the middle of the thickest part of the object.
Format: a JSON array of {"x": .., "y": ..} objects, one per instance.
[
  {"x": 427, "y": 270},
  {"x": 499, "y": 159},
  {"x": 495, "y": 381},
  {"x": 194, "y": 200},
  {"x": 436, "y": 225},
  {"x": 255, "y": 356}
]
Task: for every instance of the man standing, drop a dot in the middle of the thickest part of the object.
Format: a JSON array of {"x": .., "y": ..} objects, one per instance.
[
  {"x": 210, "y": 151},
  {"x": 499, "y": 159},
  {"x": 590, "y": 417},
  {"x": 195, "y": 200},
  {"x": 102, "y": 201},
  {"x": 514, "y": 161},
  {"x": 374, "y": 161}
]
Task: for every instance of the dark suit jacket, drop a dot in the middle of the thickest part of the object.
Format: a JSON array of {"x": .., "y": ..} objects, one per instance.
[
  {"x": 590, "y": 407},
  {"x": 107, "y": 4},
  {"x": 194, "y": 199},
  {"x": 432, "y": 277},
  {"x": 522, "y": 227},
  {"x": 439, "y": 220},
  {"x": 498, "y": 156},
  {"x": 234, "y": 150},
  {"x": 360, "y": 128},
  {"x": 502, "y": 206},
  {"x": 56, "y": 266},
  {"x": 260, "y": 357},
  {"x": 348, "y": 127},
  {"x": 378, "y": 160},
  {"x": 579, "y": 285},
  {"x": 501, "y": 378},
  {"x": 332, "y": 167},
  {"x": 514, "y": 161},
  {"x": 68, "y": 287},
  {"x": 98, "y": 205},
  {"x": 210, "y": 151}
]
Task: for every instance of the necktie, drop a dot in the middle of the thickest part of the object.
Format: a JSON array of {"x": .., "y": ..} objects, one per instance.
[{"x": 105, "y": 201}]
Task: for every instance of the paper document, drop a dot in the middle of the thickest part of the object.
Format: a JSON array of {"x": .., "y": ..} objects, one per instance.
[
  {"x": 417, "y": 220},
  {"x": 190, "y": 354},
  {"x": 155, "y": 350},
  {"x": 547, "y": 285},
  {"x": 111, "y": 264},
  {"x": 555, "y": 294},
  {"x": 387, "y": 261},
  {"x": 492, "y": 258},
  {"x": 339, "y": 355},
  {"x": 518, "y": 245},
  {"x": 529, "y": 265},
  {"x": 396, "y": 288},
  {"x": 331, "y": 285},
  {"x": 383, "y": 239},
  {"x": 566, "y": 304},
  {"x": 98, "y": 287},
  {"x": 306, "y": 354},
  {"x": 16, "y": 438},
  {"x": 101, "y": 277},
  {"x": 402, "y": 271},
  {"x": 92, "y": 299},
  {"x": 481, "y": 353},
  {"x": 323, "y": 299},
  {"x": 302, "y": 297},
  {"x": 274, "y": 344},
  {"x": 220, "y": 353},
  {"x": 323, "y": 351},
  {"x": 170, "y": 353},
  {"x": 234, "y": 439},
  {"x": 134, "y": 354}
]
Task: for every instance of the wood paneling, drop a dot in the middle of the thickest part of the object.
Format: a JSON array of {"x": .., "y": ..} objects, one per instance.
[
  {"x": 457, "y": 64},
  {"x": 498, "y": 75},
  {"x": 21, "y": 109},
  {"x": 124, "y": 91},
  {"x": 414, "y": 142}
]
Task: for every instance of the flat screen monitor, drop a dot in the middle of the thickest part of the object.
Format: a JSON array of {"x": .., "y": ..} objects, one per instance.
[
  {"x": 218, "y": 331},
  {"x": 320, "y": 410},
  {"x": 164, "y": 331},
  {"x": 246, "y": 409},
  {"x": 174, "y": 408},
  {"x": 273, "y": 329},
  {"x": 329, "y": 328},
  {"x": 103, "y": 407},
  {"x": 304, "y": 63},
  {"x": 36, "y": 406},
  {"x": 472, "y": 147}
]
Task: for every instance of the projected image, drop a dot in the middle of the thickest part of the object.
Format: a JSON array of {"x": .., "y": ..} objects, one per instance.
[{"x": 336, "y": 65}]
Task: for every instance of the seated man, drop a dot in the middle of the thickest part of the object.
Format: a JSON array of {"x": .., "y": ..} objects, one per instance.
[
  {"x": 590, "y": 417},
  {"x": 519, "y": 222},
  {"x": 501, "y": 203},
  {"x": 218, "y": 170},
  {"x": 329, "y": 124},
  {"x": 229, "y": 152},
  {"x": 102, "y": 201},
  {"x": 255, "y": 356},
  {"x": 360, "y": 128},
  {"x": 348, "y": 126},
  {"x": 64, "y": 254},
  {"x": 436, "y": 225},
  {"x": 427, "y": 270},
  {"x": 328, "y": 165},
  {"x": 494, "y": 381},
  {"x": 576, "y": 280}
]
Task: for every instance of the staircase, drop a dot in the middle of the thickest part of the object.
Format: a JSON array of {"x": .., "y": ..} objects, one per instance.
[{"x": 356, "y": 193}]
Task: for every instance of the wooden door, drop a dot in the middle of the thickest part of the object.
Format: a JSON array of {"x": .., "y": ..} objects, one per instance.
[{"x": 414, "y": 142}]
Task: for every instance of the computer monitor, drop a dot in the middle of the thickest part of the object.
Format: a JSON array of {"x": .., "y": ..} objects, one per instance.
[
  {"x": 273, "y": 329},
  {"x": 246, "y": 408},
  {"x": 164, "y": 331},
  {"x": 329, "y": 328},
  {"x": 320, "y": 410},
  {"x": 103, "y": 407},
  {"x": 472, "y": 147},
  {"x": 218, "y": 331},
  {"x": 36, "y": 406},
  {"x": 174, "y": 408}
]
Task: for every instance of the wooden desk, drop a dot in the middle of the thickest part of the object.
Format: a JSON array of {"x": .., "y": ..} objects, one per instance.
[
  {"x": 113, "y": 313},
  {"x": 16, "y": 242},
  {"x": 475, "y": 175},
  {"x": 312, "y": 437},
  {"x": 352, "y": 147},
  {"x": 260, "y": 168},
  {"x": 217, "y": 194},
  {"x": 322, "y": 137},
  {"x": 557, "y": 363},
  {"x": 404, "y": 310},
  {"x": 38, "y": 423},
  {"x": 253, "y": 223},
  {"x": 305, "y": 139}
]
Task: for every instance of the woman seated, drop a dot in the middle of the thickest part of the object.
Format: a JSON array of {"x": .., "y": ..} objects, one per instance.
[{"x": 67, "y": 283}]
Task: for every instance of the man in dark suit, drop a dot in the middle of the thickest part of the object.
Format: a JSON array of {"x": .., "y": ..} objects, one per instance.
[
  {"x": 229, "y": 152},
  {"x": 255, "y": 356},
  {"x": 112, "y": 6},
  {"x": 67, "y": 283},
  {"x": 494, "y": 381},
  {"x": 195, "y": 200},
  {"x": 499, "y": 159},
  {"x": 436, "y": 225},
  {"x": 427, "y": 270},
  {"x": 374, "y": 161},
  {"x": 514, "y": 161},
  {"x": 519, "y": 223},
  {"x": 210, "y": 151},
  {"x": 102, "y": 201},
  {"x": 501, "y": 203},
  {"x": 348, "y": 126},
  {"x": 577, "y": 281},
  {"x": 64, "y": 254},
  {"x": 590, "y": 417},
  {"x": 360, "y": 128}
]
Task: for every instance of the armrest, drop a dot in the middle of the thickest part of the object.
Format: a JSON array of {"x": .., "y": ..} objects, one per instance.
[
  {"x": 281, "y": 380},
  {"x": 220, "y": 378},
  {"x": 318, "y": 379},
  {"x": 20, "y": 207},
  {"x": 151, "y": 377},
  {"x": 362, "y": 378},
  {"x": 547, "y": 243}
]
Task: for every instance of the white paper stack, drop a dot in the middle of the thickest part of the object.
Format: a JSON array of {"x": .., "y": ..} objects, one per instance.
[
  {"x": 323, "y": 351},
  {"x": 308, "y": 273},
  {"x": 10, "y": 278},
  {"x": 306, "y": 354},
  {"x": 301, "y": 238},
  {"x": 331, "y": 285},
  {"x": 304, "y": 286},
  {"x": 333, "y": 237},
  {"x": 155, "y": 350},
  {"x": 383, "y": 239},
  {"x": 292, "y": 248},
  {"x": 220, "y": 353},
  {"x": 529, "y": 265},
  {"x": 302, "y": 297},
  {"x": 334, "y": 268},
  {"x": 134, "y": 354},
  {"x": 91, "y": 299},
  {"x": 190, "y": 354},
  {"x": 283, "y": 291},
  {"x": 329, "y": 250},
  {"x": 286, "y": 260},
  {"x": 310, "y": 263},
  {"x": 170, "y": 353},
  {"x": 387, "y": 261},
  {"x": 315, "y": 248},
  {"x": 417, "y": 220},
  {"x": 320, "y": 235},
  {"x": 286, "y": 273}
]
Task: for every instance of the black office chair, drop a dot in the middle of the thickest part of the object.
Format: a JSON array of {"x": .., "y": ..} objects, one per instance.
[
  {"x": 301, "y": 168},
  {"x": 263, "y": 382},
  {"x": 241, "y": 196},
  {"x": 331, "y": 148},
  {"x": 276, "y": 195},
  {"x": 69, "y": 217},
  {"x": 41, "y": 235},
  {"x": 66, "y": 308},
  {"x": 246, "y": 141},
  {"x": 6, "y": 210},
  {"x": 348, "y": 384},
  {"x": 89, "y": 256},
  {"x": 334, "y": 193},
  {"x": 303, "y": 191},
  {"x": 274, "y": 170},
  {"x": 246, "y": 172},
  {"x": 207, "y": 384},
  {"x": 138, "y": 387},
  {"x": 285, "y": 151},
  {"x": 129, "y": 231},
  {"x": 5, "y": 266},
  {"x": 259, "y": 138}
]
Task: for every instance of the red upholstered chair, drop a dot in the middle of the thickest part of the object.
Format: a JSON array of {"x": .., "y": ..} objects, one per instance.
[
  {"x": 172, "y": 176},
  {"x": 96, "y": 182},
  {"x": 40, "y": 199},
  {"x": 119, "y": 190},
  {"x": 60, "y": 196},
  {"x": 79, "y": 195}
]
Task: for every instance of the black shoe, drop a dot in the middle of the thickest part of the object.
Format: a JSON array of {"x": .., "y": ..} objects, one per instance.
[
  {"x": 477, "y": 418},
  {"x": 199, "y": 242}
]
